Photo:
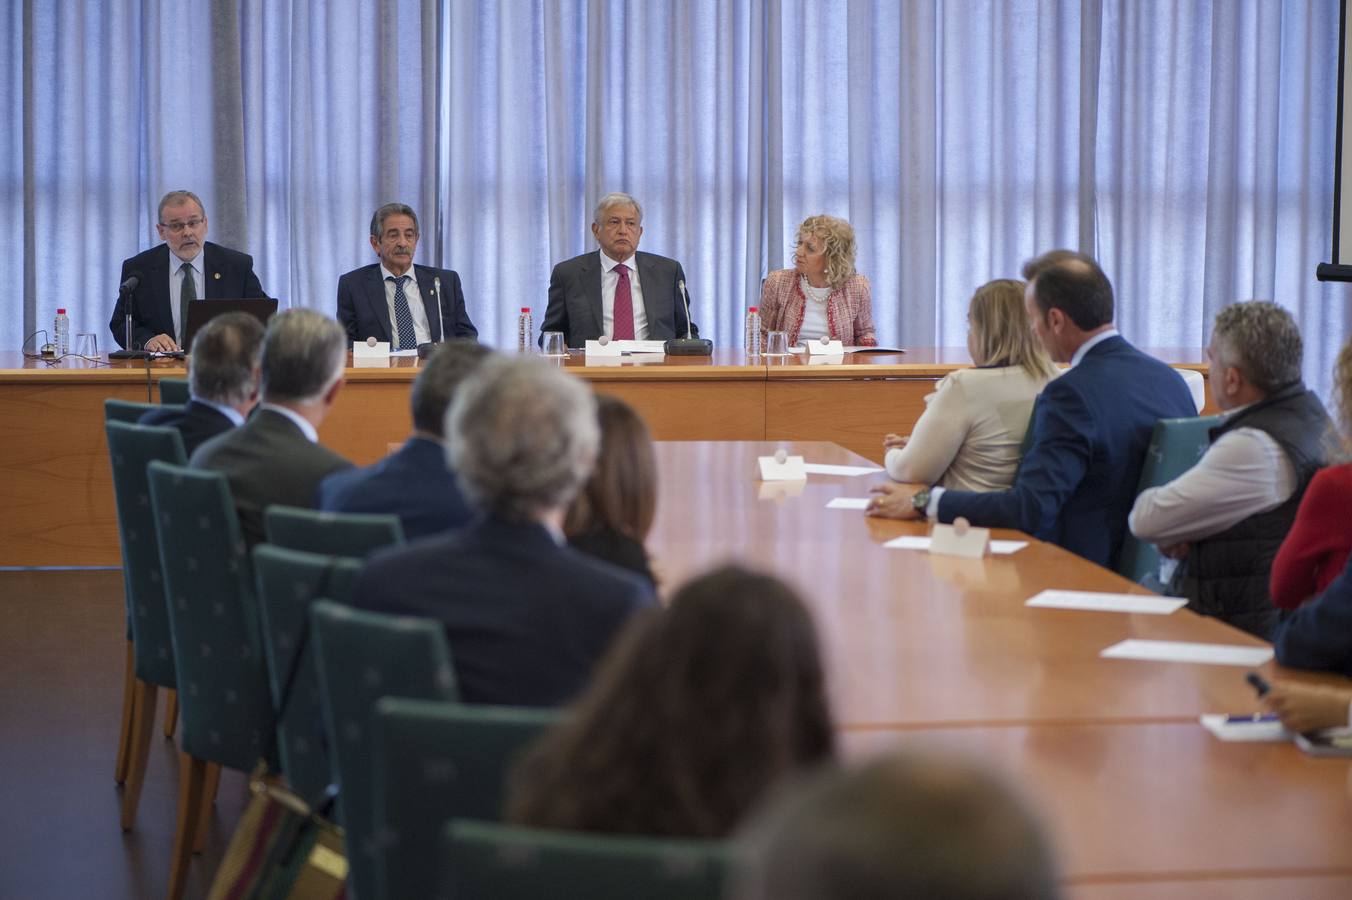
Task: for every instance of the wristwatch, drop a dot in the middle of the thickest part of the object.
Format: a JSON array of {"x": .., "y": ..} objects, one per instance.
[{"x": 920, "y": 501}]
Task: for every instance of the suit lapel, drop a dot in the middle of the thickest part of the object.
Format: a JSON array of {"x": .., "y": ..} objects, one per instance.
[
  {"x": 375, "y": 302},
  {"x": 431, "y": 302},
  {"x": 211, "y": 273},
  {"x": 157, "y": 282},
  {"x": 650, "y": 282},
  {"x": 591, "y": 285}
]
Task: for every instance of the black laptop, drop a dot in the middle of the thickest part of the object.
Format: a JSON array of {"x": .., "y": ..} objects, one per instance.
[{"x": 200, "y": 312}]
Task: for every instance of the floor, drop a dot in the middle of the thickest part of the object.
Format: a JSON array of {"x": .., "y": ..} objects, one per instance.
[{"x": 62, "y": 648}]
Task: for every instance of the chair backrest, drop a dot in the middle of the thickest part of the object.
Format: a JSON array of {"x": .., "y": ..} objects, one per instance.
[
  {"x": 1196, "y": 386},
  {"x": 174, "y": 390},
  {"x": 288, "y": 582},
  {"x": 115, "y": 410},
  {"x": 1175, "y": 447},
  {"x": 435, "y": 762},
  {"x": 130, "y": 449},
  {"x": 336, "y": 534},
  {"x": 503, "y": 862},
  {"x": 363, "y": 656},
  {"x": 224, "y": 705}
]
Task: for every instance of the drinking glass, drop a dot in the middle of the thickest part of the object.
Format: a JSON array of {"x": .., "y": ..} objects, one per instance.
[
  {"x": 777, "y": 343},
  {"x": 552, "y": 344}
]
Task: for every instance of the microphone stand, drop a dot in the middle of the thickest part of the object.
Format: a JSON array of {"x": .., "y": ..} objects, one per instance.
[
  {"x": 127, "y": 294},
  {"x": 688, "y": 346}
]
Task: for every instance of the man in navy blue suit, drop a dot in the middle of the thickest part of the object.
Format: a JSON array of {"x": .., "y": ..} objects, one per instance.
[
  {"x": 526, "y": 616},
  {"x": 1091, "y": 426},
  {"x": 185, "y": 268},
  {"x": 223, "y": 379},
  {"x": 415, "y": 482},
  {"x": 394, "y": 300}
]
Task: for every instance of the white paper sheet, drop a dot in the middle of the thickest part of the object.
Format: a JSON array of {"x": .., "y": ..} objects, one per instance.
[
  {"x": 1101, "y": 602},
  {"x": 827, "y": 469},
  {"x": 848, "y": 503},
  {"x": 1183, "y": 651},
  {"x": 919, "y": 542}
]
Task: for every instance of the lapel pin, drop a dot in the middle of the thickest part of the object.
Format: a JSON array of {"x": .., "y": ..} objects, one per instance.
[{"x": 216, "y": 275}]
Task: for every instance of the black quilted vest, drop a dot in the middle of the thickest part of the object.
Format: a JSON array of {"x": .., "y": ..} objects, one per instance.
[{"x": 1226, "y": 575}]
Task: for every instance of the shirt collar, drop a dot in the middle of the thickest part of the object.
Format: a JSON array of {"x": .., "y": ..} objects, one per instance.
[
  {"x": 301, "y": 422},
  {"x": 228, "y": 411},
  {"x": 1091, "y": 344},
  {"x": 386, "y": 273},
  {"x": 607, "y": 263},
  {"x": 195, "y": 262}
]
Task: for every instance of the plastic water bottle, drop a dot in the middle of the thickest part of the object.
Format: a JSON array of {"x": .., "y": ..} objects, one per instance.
[
  {"x": 525, "y": 330},
  {"x": 61, "y": 333},
  {"x": 753, "y": 332}
]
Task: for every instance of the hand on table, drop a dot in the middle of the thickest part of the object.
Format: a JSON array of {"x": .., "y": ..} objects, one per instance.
[
  {"x": 1175, "y": 551},
  {"x": 1309, "y": 707},
  {"x": 162, "y": 343},
  {"x": 893, "y": 501},
  {"x": 895, "y": 441}
]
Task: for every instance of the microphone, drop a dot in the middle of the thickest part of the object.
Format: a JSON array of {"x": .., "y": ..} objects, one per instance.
[
  {"x": 688, "y": 346},
  {"x": 425, "y": 350},
  {"x": 126, "y": 296}
]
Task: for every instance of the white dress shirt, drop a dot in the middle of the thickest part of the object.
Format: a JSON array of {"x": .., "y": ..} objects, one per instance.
[
  {"x": 301, "y": 422},
  {"x": 422, "y": 332},
  {"x": 609, "y": 280},
  {"x": 176, "y": 276},
  {"x": 1245, "y": 472}
]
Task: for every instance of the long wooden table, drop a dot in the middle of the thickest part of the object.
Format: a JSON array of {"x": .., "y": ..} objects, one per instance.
[
  {"x": 942, "y": 653},
  {"x": 57, "y": 488}
]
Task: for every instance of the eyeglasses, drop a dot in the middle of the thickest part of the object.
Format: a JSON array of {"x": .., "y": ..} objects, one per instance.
[{"x": 177, "y": 227}]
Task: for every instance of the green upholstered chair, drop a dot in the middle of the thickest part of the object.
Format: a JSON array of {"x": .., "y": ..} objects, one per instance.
[
  {"x": 130, "y": 449},
  {"x": 335, "y": 534},
  {"x": 435, "y": 762},
  {"x": 226, "y": 709},
  {"x": 115, "y": 410},
  {"x": 288, "y": 582},
  {"x": 1175, "y": 447},
  {"x": 485, "y": 860},
  {"x": 174, "y": 390},
  {"x": 363, "y": 656}
]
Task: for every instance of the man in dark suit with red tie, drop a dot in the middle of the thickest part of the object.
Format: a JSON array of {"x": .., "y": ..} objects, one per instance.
[
  {"x": 394, "y": 300},
  {"x": 186, "y": 267},
  {"x": 617, "y": 292}
]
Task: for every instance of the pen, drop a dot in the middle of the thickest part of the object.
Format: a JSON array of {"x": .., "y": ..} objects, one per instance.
[{"x": 1259, "y": 683}]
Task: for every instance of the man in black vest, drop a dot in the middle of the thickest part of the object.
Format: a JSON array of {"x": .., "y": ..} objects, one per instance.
[{"x": 1226, "y": 516}]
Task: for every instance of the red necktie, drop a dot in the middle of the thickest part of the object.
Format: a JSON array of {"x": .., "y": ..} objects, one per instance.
[{"x": 624, "y": 307}]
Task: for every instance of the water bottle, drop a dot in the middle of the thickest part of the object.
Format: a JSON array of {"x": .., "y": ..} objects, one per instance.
[
  {"x": 61, "y": 333},
  {"x": 525, "y": 330},
  {"x": 753, "y": 332}
]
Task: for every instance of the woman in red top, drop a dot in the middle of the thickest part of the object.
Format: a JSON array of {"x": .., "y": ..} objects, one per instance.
[
  {"x": 822, "y": 295},
  {"x": 1316, "y": 549}
]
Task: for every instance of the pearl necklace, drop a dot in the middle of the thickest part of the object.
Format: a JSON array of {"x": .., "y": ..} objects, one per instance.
[{"x": 815, "y": 294}]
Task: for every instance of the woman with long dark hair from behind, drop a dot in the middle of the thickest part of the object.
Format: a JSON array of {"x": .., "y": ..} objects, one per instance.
[
  {"x": 611, "y": 516},
  {"x": 695, "y": 712}
]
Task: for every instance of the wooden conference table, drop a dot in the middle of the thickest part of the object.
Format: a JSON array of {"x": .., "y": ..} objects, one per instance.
[
  {"x": 56, "y": 487},
  {"x": 942, "y": 653}
]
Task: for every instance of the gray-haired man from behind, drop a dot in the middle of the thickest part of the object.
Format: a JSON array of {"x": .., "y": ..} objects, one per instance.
[
  {"x": 1226, "y": 517},
  {"x": 223, "y": 380},
  {"x": 526, "y": 616},
  {"x": 275, "y": 457}
]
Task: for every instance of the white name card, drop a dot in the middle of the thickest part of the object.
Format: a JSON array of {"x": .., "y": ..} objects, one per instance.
[
  {"x": 604, "y": 348},
  {"x": 959, "y": 539},
  {"x": 824, "y": 347},
  {"x": 370, "y": 354},
  {"x": 782, "y": 467}
]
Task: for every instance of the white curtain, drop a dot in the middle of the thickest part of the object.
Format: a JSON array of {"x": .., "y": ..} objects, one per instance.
[{"x": 1189, "y": 146}]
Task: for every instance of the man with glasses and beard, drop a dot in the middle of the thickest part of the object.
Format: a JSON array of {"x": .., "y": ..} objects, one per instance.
[{"x": 186, "y": 267}]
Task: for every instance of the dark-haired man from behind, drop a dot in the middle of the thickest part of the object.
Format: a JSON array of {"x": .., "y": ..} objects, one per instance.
[
  {"x": 1226, "y": 517},
  {"x": 1090, "y": 428},
  {"x": 223, "y": 381},
  {"x": 415, "y": 483},
  {"x": 276, "y": 457}
]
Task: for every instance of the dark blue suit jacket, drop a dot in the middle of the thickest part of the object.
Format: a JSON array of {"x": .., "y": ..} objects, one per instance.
[
  {"x": 1318, "y": 635},
  {"x": 526, "y": 619},
  {"x": 576, "y": 309},
  {"x": 364, "y": 311},
  {"x": 196, "y": 422},
  {"x": 1091, "y": 427},
  {"x": 229, "y": 275},
  {"x": 413, "y": 483}
]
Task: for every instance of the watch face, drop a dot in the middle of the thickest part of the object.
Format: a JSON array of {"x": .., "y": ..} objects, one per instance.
[{"x": 920, "y": 500}]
